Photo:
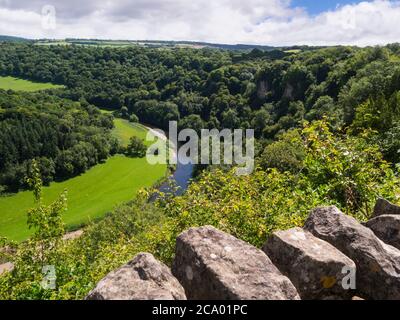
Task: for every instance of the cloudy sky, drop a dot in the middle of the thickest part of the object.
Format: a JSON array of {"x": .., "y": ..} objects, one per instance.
[{"x": 271, "y": 22}]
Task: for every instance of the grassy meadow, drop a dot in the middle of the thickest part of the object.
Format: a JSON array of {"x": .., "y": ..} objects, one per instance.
[
  {"x": 124, "y": 130},
  {"x": 16, "y": 84}
]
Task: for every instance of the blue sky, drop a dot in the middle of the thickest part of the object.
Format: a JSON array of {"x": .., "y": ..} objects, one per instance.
[{"x": 317, "y": 6}]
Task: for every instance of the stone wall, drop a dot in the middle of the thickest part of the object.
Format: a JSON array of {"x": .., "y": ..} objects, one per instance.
[{"x": 332, "y": 257}]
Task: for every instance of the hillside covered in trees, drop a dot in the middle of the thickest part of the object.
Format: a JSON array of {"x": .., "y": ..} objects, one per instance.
[
  {"x": 224, "y": 89},
  {"x": 66, "y": 137},
  {"x": 327, "y": 123}
]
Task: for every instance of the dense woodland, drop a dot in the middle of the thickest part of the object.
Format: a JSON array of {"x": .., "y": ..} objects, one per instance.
[
  {"x": 355, "y": 88},
  {"x": 66, "y": 137},
  {"x": 327, "y": 123},
  {"x": 224, "y": 89}
]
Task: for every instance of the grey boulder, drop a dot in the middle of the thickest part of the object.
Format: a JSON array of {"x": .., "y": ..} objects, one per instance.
[
  {"x": 144, "y": 278},
  {"x": 211, "y": 264},
  {"x": 384, "y": 207},
  {"x": 378, "y": 264},
  {"x": 386, "y": 228},
  {"x": 314, "y": 266}
]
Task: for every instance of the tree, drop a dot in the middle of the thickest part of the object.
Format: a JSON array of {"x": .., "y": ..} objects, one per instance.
[
  {"x": 193, "y": 121},
  {"x": 346, "y": 168},
  {"x": 286, "y": 154},
  {"x": 47, "y": 169},
  {"x": 230, "y": 119},
  {"x": 65, "y": 137},
  {"x": 325, "y": 107},
  {"x": 124, "y": 112},
  {"x": 45, "y": 220},
  {"x": 391, "y": 143},
  {"x": 136, "y": 148},
  {"x": 261, "y": 119},
  {"x": 133, "y": 118}
]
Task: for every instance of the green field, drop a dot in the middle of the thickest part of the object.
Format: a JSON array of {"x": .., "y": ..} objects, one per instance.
[
  {"x": 11, "y": 83},
  {"x": 293, "y": 51},
  {"x": 52, "y": 43},
  {"x": 95, "y": 43},
  {"x": 124, "y": 130},
  {"x": 90, "y": 195}
]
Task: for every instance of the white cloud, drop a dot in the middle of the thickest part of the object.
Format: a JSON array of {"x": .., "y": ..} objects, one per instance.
[{"x": 272, "y": 22}]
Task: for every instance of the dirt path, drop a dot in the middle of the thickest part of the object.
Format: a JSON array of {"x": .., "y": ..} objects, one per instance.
[
  {"x": 157, "y": 133},
  {"x": 161, "y": 135}
]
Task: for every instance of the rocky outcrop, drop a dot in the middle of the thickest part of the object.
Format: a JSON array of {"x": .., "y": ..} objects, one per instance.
[
  {"x": 288, "y": 93},
  {"x": 386, "y": 228},
  {"x": 332, "y": 255},
  {"x": 262, "y": 89},
  {"x": 314, "y": 266},
  {"x": 384, "y": 207},
  {"x": 378, "y": 264},
  {"x": 211, "y": 264},
  {"x": 6, "y": 267},
  {"x": 144, "y": 278}
]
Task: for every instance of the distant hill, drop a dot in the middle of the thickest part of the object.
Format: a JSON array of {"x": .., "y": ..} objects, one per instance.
[
  {"x": 227, "y": 46},
  {"x": 159, "y": 44},
  {"x": 164, "y": 43},
  {"x": 13, "y": 39}
]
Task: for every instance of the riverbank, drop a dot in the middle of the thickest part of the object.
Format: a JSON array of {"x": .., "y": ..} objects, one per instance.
[{"x": 92, "y": 195}]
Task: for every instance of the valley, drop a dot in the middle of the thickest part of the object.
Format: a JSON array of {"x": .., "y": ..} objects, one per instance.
[
  {"x": 90, "y": 195},
  {"x": 326, "y": 123}
]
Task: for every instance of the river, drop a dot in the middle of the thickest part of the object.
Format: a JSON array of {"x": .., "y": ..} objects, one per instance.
[
  {"x": 182, "y": 174},
  {"x": 181, "y": 178}
]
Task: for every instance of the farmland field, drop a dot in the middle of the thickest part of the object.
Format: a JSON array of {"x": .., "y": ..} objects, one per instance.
[{"x": 16, "y": 84}]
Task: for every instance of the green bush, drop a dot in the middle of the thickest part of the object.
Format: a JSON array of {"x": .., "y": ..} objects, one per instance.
[
  {"x": 136, "y": 148},
  {"x": 133, "y": 118}
]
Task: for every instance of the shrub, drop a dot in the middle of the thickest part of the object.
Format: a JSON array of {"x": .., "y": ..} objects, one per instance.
[
  {"x": 136, "y": 148},
  {"x": 133, "y": 118}
]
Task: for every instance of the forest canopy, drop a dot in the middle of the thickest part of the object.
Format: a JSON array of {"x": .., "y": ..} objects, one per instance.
[
  {"x": 65, "y": 137},
  {"x": 355, "y": 88}
]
